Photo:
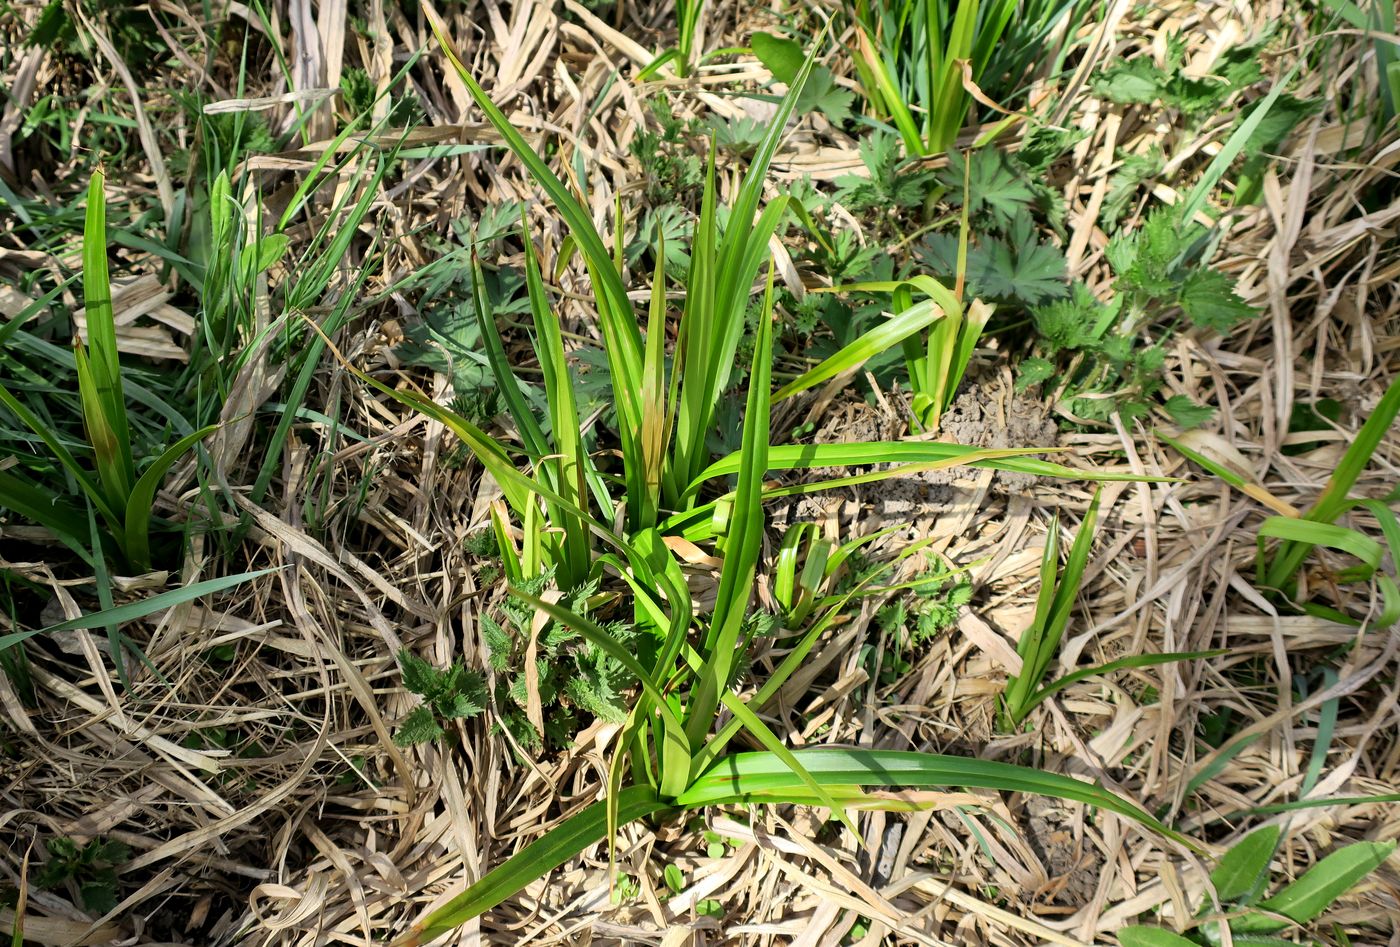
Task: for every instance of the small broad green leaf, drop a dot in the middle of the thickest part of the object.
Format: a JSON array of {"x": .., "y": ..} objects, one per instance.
[
  {"x": 782, "y": 57},
  {"x": 1034, "y": 371},
  {"x": 1244, "y": 869},
  {"x": 675, "y": 880},
  {"x": 1135, "y": 82},
  {"x": 1325, "y": 882},
  {"x": 1209, "y": 300},
  {"x": 1152, "y": 937}
]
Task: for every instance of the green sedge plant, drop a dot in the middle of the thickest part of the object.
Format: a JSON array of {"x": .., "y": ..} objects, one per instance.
[
  {"x": 1039, "y": 644},
  {"x": 1238, "y": 885},
  {"x": 112, "y": 482},
  {"x": 1286, "y": 541},
  {"x": 673, "y": 752},
  {"x": 916, "y": 58},
  {"x": 664, "y": 419},
  {"x": 688, "y": 13}
]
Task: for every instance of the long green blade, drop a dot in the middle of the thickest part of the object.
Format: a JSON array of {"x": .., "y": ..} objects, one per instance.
[
  {"x": 134, "y": 610},
  {"x": 861, "y": 453},
  {"x": 106, "y": 372},
  {"x": 539, "y": 858},
  {"x": 138, "y": 508},
  {"x": 762, "y": 777}
]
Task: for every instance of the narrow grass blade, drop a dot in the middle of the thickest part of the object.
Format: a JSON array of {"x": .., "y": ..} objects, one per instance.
[
  {"x": 762, "y": 777},
  {"x": 885, "y": 335},
  {"x": 539, "y": 858},
  {"x": 861, "y": 453},
  {"x": 1234, "y": 145},
  {"x": 104, "y": 373},
  {"x": 1133, "y": 661},
  {"x": 655, "y": 421},
  {"x": 1310, "y": 534},
  {"x": 1040, "y": 643},
  {"x": 133, "y": 610},
  {"x": 1232, "y": 477},
  {"x": 520, "y": 412},
  {"x": 139, "y": 507},
  {"x": 572, "y": 461}
]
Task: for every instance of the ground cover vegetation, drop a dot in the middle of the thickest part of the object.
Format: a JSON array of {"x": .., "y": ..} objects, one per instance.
[{"x": 686, "y": 473}]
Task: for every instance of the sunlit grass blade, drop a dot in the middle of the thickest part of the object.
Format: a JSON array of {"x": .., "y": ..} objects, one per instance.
[
  {"x": 1233, "y": 477},
  {"x": 655, "y": 431},
  {"x": 879, "y": 339},
  {"x": 131, "y": 611},
  {"x": 763, "y": 777},
  {"x": 561, "y": 843},
  {"x": 573, "y": 465},
  {"x": 797, "y": 653},
  {"x": 1040, "y": 642},
  {"x": 1108, "y": 667},
  {"x": 860, "y": 453},
  {"x": 744, "y": 540},
  {"x": 1309, "y": 534},
  {"x": 1305, "y": 899},
  {"x": 1335, "y": 497}
]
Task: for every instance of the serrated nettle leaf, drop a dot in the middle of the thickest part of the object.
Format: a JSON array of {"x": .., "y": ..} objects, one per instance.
[
  {"x": 420, "y": 726},
  {"x": 1209, "y": 300},
  {"x": 419, "y": 676}
]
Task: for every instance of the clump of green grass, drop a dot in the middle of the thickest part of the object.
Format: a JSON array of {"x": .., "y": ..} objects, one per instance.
[
  {"x": 1286, "y": 542},
  {"x": 912, "y": 56},
  {"x": 111, "y": 483},
  {"x": 1038, "y": 646},
  {"x": 665, "y": 415},
  {"x": 672, "y": 753},
  {"x": 1238, "y": 885}
]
